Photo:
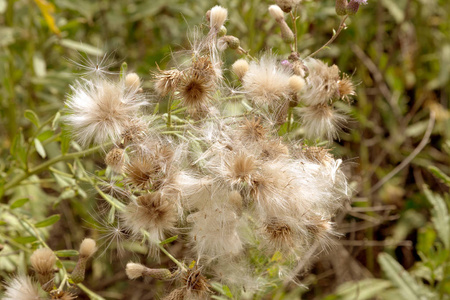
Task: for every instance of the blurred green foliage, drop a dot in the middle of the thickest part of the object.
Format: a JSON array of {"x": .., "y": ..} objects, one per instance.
[{"x": 398, "y": 52}]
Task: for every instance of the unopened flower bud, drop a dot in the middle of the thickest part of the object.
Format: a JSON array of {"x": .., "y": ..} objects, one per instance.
[
  {"x": 132, "y": 81},
  {"x": 87, "y": 249},
  {"x": 276, "y": 12},
  {"x": 286, "y": 5},
  {"x": 223, "y": 31},
  {"x": 135, "y": 270},
  {"x": 228, "y": 41},
  {"x": 286, "y": 33},
  {"x": 353, "y": 6},
  {"x": 217, "y": 17},
  {"x": 43, "y": 261},
  {"x": 240, "y": 67},
  {"x": 341, "y": 6}
]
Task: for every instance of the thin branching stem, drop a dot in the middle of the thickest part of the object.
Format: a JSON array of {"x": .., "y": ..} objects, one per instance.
[{"x": 341, "y": 26}]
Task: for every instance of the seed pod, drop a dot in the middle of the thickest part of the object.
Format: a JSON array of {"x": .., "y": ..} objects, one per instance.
[{"x": 87, "y": 249}]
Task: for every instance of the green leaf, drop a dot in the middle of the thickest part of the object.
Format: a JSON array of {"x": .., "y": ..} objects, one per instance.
[
  {"x": 169, "y": 240},
  {"x": 18, "y": 203},
  {"x": 362, "y": 290},
  {"x": 65, "y": 141},
  {"x": 25, "y": 239},
  {"x": 39, "y": 65},
  {"x": 31, "y": 115},
  {"x": 45, "y": 135},
  {"x": 66, "y": 253},
  {"x": 408, "y": 286},
  {"x": 439, "y": 174},
  {"x": 88, "y": 49},
  {"x": 56, "y": 120},
  {"x": 440, "y": 216},
  {"x": 48, "y": 222},
  {"x": 39, "y": 148}
]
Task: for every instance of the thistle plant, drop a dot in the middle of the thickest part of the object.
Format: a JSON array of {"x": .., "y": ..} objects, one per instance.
[{"x": 223, "y": 181}]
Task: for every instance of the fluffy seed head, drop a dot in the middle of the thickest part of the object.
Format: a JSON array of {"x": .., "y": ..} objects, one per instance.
[
  {"x": 241, "y": 168},
  {"x": 279, "y": 233},
  {"x": 132, "y": 81},
  {"x": 21, "y": 287},
  {"x": 115, "y": 159},
  {"x": 99, "y": 110},
  {"x": 276, "y": 12},
  {"x": 321, "y": 84},
  {"x": 296, "y": 83},
  {"x": 317, "y": 154},
  {"x": 151, "y": 212},
  {"x": 198, "y": 83},
  {"x": 134, "y": 132},
  {"x": 235, "y": 200},
  {"x": 43, "y": 260},
  {"x": 266, "y": 82},
  {"x": 217, "y": 17},
  {"x": 321, "y": 121},
  {"x": 194, "y": 281},
  {"x": 240, "y": 67},
  {"x": 252, "y": 130},
  {"x": 87, "y": 248},
  {"x": 166, "y": 81}
]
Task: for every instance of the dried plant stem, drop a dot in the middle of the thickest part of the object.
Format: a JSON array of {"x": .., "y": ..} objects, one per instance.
[
  {"x": 341, "y": 26},
  {"x": 410, "y": 157}
]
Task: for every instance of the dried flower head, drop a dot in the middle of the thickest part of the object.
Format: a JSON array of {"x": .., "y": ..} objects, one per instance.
[
  {"x": 115, "y": 159},
  {"x": 21, "y": 287},
  {"x": 166, "y": 81},
  {"x": 62, "y": 295},
  {"x": 99, "y": 110}
]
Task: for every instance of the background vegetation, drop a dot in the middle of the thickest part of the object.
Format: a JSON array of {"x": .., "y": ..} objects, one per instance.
[{"x": 396, "y": 149}]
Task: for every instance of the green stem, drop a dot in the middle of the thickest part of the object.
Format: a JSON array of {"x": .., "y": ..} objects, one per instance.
[
  {"x": 92, "y": 295},
  {"x": 341, "y": 26},
  {"x": 31, "y": 141},
  {"x": 44, "y": 166},
  {"x": 169, "y": 112}
]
